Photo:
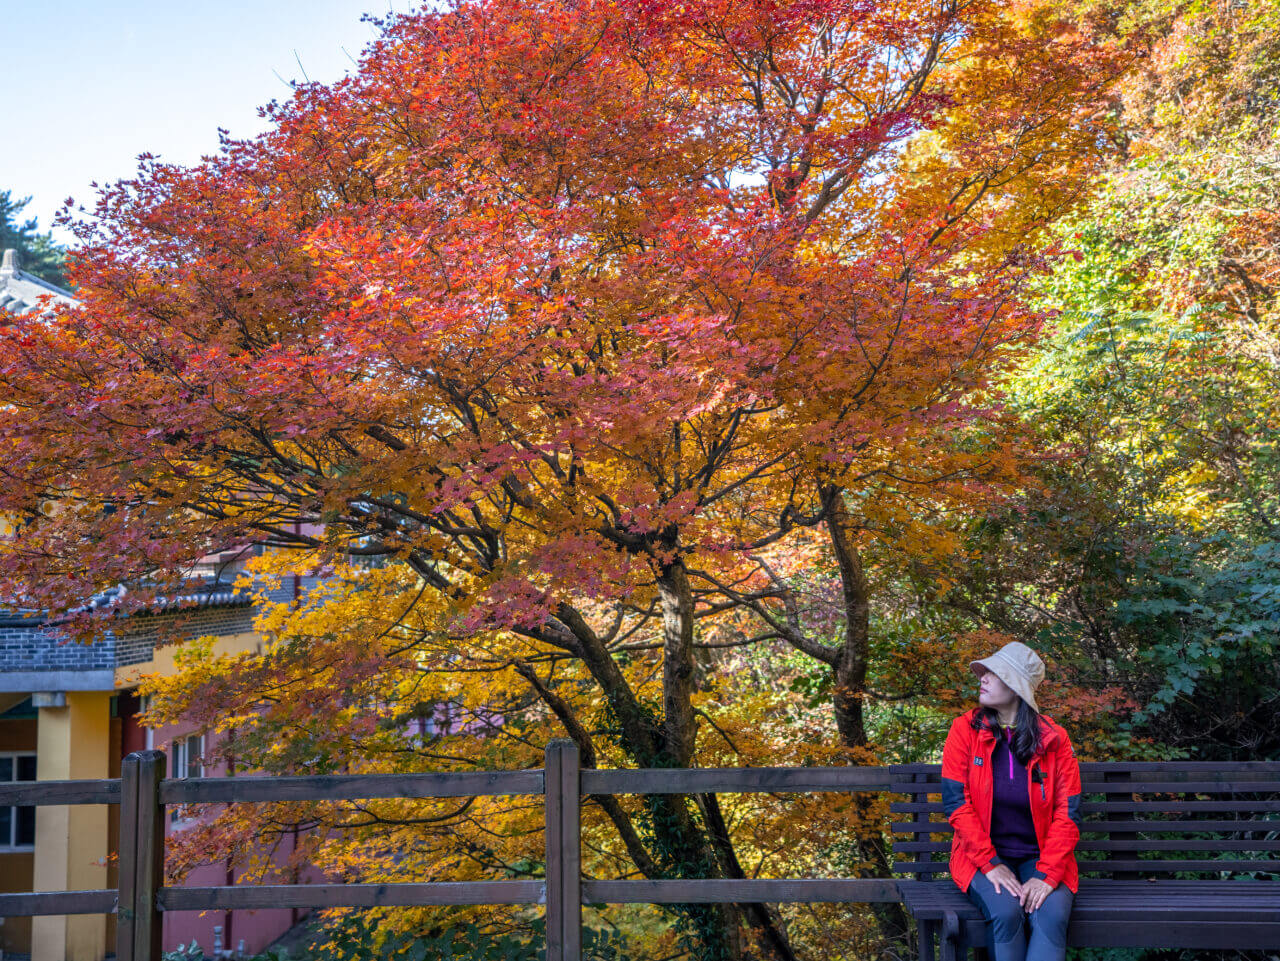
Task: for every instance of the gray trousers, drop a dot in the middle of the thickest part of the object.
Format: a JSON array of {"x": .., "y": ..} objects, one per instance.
[{"x": 1007, "y": 939}]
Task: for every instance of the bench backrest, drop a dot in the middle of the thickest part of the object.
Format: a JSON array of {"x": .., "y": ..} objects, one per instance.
[{"x": 1142, "y": 819}]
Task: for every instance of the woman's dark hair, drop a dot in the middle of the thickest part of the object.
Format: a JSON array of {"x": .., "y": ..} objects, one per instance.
[{"x": 1026, "y": 731}]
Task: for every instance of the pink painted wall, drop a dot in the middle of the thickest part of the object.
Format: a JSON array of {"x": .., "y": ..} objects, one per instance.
[{"x": 258, "y": 929}]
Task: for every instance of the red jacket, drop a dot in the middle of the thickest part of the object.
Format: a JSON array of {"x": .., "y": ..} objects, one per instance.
[{"x": 1053, "y": 779}]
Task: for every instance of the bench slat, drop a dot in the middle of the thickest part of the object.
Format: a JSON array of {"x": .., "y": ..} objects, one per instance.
[
  {"x": 1170, "y": 786},
  {"x": 1089, "y": 768},
  {"x": 1089, "y": 807},
  {"x": 1268, "y": 866},
  {"x": 1137, "y": 844},
  {"x": 1163, "y": 930},
  {"x": 1104, "y": 901},
  {"x": 1126, "y": 827}
]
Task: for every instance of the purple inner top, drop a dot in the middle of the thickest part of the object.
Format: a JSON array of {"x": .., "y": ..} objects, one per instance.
[{"x": 1013, "y": 832}]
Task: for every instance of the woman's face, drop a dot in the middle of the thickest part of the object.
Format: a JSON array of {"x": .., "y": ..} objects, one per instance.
[{"x": 995, "y": 693}]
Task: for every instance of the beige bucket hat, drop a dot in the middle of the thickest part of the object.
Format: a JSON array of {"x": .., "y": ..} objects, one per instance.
[{"x": 1018, "y": 666}]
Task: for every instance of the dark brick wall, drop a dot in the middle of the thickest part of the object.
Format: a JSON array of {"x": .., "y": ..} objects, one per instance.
[
  {"x": 28, "y": 645},
  {"x": 33, "y": 646}
]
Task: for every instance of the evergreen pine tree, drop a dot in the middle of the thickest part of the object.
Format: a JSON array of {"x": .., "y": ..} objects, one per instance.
[{"x": 41, "y": 254}]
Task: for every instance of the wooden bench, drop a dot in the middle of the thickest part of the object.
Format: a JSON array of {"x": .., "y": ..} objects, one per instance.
[{"x": 1171, "y": 854}]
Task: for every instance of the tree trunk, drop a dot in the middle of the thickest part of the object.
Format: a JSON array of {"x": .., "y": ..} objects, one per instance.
[
  {"x": 681, "y": 847},
  {"x": 680, "y": 731},
  {"x": 850, "y": 675},
  {"x": 678, "y": 666}
]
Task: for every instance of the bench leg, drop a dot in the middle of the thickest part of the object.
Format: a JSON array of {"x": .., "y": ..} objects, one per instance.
[
  {"x": 950, "y": 939},
  {"x": 924, "y": 937}
]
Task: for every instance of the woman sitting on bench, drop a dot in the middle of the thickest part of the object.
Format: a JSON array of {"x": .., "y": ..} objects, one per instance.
[{"x": 1011, "y": 789}]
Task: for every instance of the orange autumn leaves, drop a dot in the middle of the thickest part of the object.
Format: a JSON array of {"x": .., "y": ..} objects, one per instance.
[
  {"x": 578, "y": 273},
  {"x": 568, "y": 319}
]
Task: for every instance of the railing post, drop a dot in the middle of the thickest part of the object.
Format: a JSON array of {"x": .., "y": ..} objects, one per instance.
[
  {"x": 564, "y": 853},
  {"x": 127, "y": 884},
  {"x": 139, "y": 924}
]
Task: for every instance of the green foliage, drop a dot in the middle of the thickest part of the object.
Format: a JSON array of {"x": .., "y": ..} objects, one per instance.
[
  {"x": 1211, "y": 609},
  {"x": 277, "y": 954},
  {"x": 1144, "y": 552},
  {"x": 1105, "y": 954},
  {"x": 184, "y": 952},
  {"x": 40, "y": 254}
]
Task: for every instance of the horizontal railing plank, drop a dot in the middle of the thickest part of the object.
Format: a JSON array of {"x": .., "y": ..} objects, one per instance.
[
  {"x": 259, "y": 896},
  {"x": 528, "y": 782},
  {"x": 25, "y": 793},
  {"x": 735, "y": 780},
  {"x": 57, "y": 902},
  {"x": 348, "y": 787},
  {"x": 751, "y": 890}
]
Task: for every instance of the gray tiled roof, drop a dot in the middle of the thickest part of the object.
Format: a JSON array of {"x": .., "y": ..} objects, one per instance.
[{"x": 21, "y": 291}]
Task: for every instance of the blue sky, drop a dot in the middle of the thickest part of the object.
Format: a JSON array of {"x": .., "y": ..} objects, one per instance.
[{"x": 87, "y": 86}]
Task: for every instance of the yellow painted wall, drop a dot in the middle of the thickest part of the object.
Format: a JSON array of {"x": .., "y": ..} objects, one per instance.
[
  {"x": 73, "y": 742},
  {"x": 113, "y": 828},
  {"x": 162, "y": 660}
]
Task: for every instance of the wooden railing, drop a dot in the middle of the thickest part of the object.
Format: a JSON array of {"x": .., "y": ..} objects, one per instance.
[{"x": 143, "y": 793}]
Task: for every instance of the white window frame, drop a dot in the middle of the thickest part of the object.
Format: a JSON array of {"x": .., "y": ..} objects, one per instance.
[
  {"x": 144, "y": 705},
  {"x": 180, "y": 756},
  {"x": 6, "y": 844},
  {"x": 180, "y": 761}
]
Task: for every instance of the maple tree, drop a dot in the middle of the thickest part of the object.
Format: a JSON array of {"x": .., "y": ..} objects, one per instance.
[{"x": 561, "y": 338}]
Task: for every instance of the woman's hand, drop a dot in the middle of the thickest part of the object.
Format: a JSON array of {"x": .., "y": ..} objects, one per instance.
[
  {"x": 1001, "y": 874},
  {"x": 1033, "y": 894}
]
